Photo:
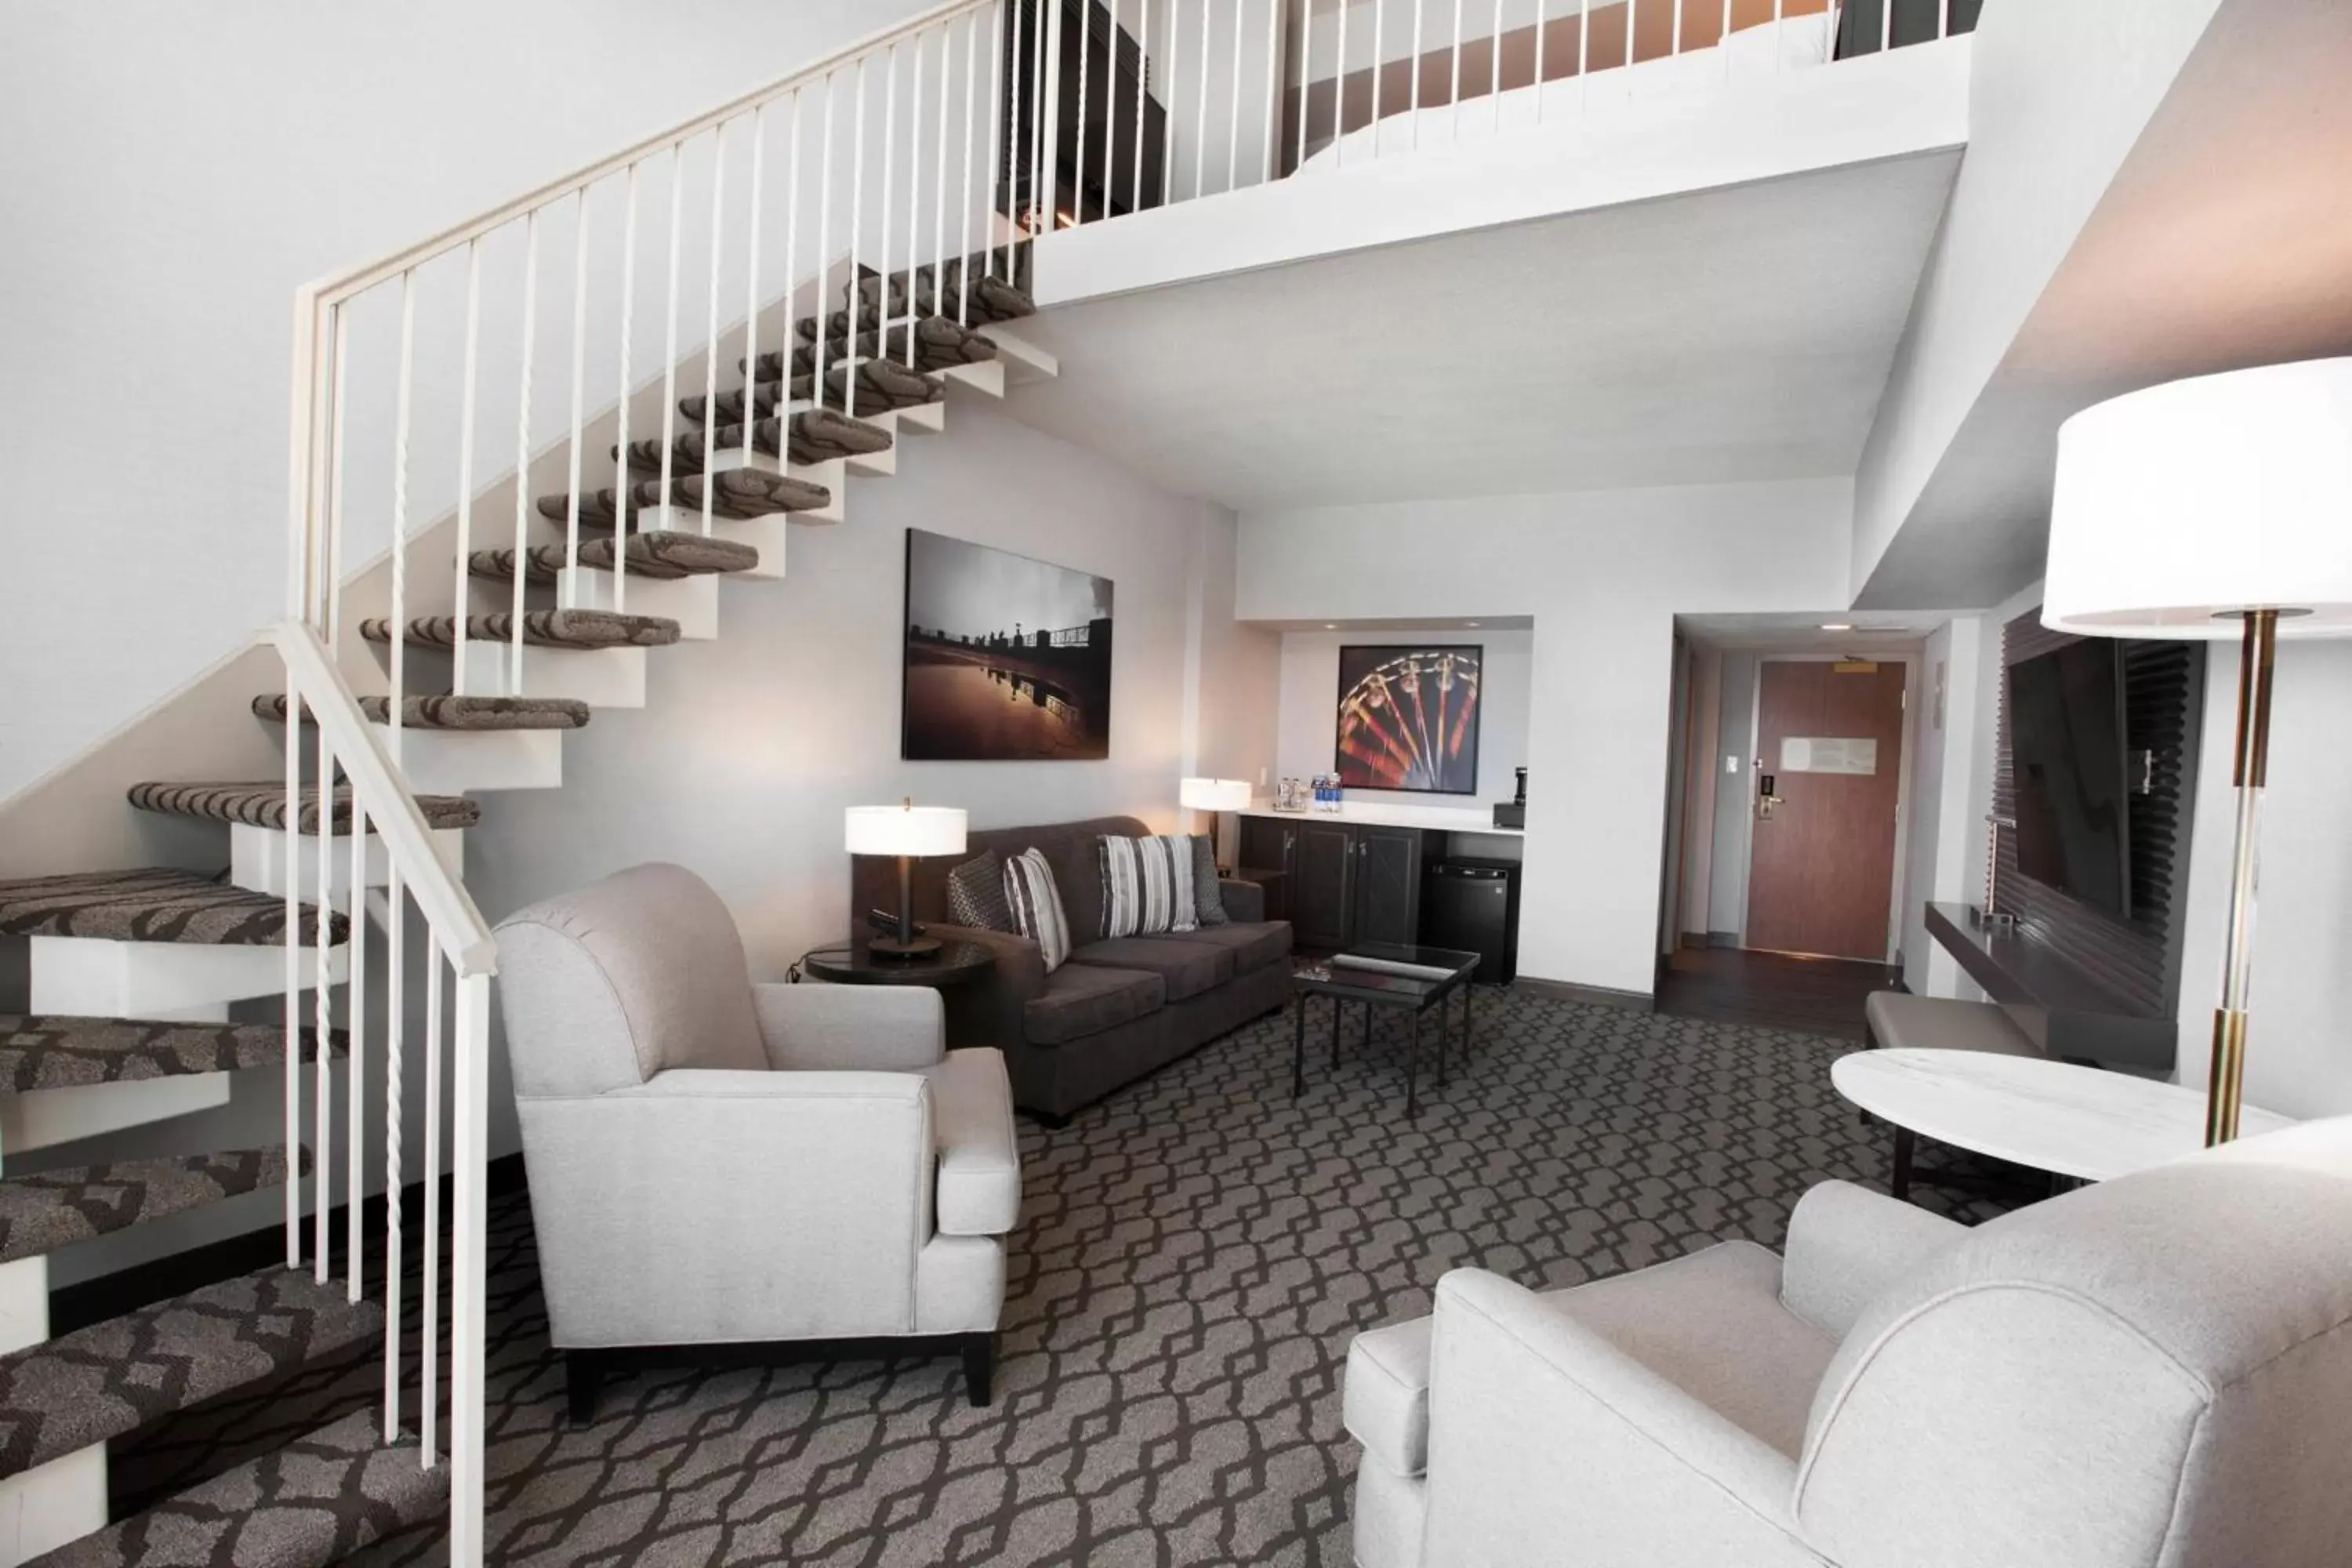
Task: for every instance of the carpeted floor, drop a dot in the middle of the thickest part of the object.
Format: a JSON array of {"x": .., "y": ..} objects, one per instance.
[{"x": 1193, "y": 1258}]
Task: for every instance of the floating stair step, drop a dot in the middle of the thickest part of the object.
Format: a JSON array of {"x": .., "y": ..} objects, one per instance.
[
  {"x": 160, "y": 904},
  {"x": 658, "y": 554},
  {"x": 739, "y": 493},
  {"x": 264, "y": 804},
  {"x": 41, "y": 1213},
  {"x": 111, "y": 1379},
  {"x": 818, "y": 436},
  {"x": 764, "y": 399},
  {"x": 940, "y": 344},
  {"x": 476, "y": 713},
  {"x": 320, "y": 1498},
  {"x": 540, "y": 629},
  {"x": 992, "y": 299},
  {"x": 59, "y": 1051},
  {"x": 881, "y": 385}
]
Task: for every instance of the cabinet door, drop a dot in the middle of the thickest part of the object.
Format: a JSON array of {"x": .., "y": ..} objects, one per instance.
[
  {"x": 1265, "y": 847},
  {"x": 1322, "y": 884},
  {"x": 1387, "y": 884}
]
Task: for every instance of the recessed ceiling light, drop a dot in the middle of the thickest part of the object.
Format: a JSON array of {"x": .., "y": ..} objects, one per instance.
[
  {"x": 1837, "y": 625},
  {"x": 1469, "y": 623},
  {"x": 1330, "y": 626}
]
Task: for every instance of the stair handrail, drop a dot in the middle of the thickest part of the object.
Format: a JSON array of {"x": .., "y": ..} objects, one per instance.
[{"x": 390, "y": 809}]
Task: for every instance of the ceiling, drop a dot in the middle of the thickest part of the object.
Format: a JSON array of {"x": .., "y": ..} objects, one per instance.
[
  {"x": 1867, "y": 632},
  {"x": 2225, "y": 240},
  {"x": 1741, "y": 334}
]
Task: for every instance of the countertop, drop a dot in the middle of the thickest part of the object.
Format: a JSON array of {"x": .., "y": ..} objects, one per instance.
[{"x": 1438, "y": 818}]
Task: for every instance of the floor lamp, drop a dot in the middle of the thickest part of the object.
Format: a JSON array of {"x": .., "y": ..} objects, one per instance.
[{"x": 2213, "y": 508}]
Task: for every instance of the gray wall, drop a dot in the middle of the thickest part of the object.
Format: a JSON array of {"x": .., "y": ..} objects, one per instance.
[{"x": 1727, "y": 902}]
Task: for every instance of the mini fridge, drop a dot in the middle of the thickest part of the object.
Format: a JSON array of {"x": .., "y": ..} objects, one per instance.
[{"x": 1474, "y": 906}]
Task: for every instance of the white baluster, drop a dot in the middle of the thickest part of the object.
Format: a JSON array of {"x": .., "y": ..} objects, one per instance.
[
  {"x": 1674, "y": 44},
  {"x": 1886, "y": 25},
  {"x": 395, "y": 1006},
  {"x": 1272, "y": 87},
  {"x": 468, "y": 1268},
  {"x": 857, "y": 284},
  {"x": 940, "y": 185},
  {"x": 1453, "y": 109},
  {"x": 1543, "y": 32},
  {"x": 1233, "y": 108},
  {"x": 400, "y": 502},
  {"x": 1078, "y": 165},
  {"x": 1168, "y": 108},
  {"x": 1305, "y": 66},
  {"x": 322, "y": 1162},
  {"x": 579, "y": 434},
  {"x": 1201, "y": 110},
  {"x": 622, "y": 510},
  {"x": 792, "y": 278},
  {"x": 1015, "y": 159},
  {"x": 1041, "y": 136},
  {"x": 523, "y": 445},
  {"x": 1339, "y": 90},
  {"x": 998, "y": 144},
  {"x": 963, "y": 221},
  {"x": 1633, "y": 25},
  {"x": 428, "y": 1342},
  {"x": 914, "y": 215},
  {"x": 1944, "y": 30},
  {"x": 1053, "y": 137},
  {"x": 669, "y": 373},
  {"x": 1142, "y": 92},
  {"x": 889, "y": 170},
  {"x": 710, "y": 354},
  {"x": 1415, "y": 100},
  {"x": 355, "y": 1025},
  {"x": 331, "y": 587},
  {"x": 465, "y": 466},
  {"x": 1495, "y": 64},
  {"x": 1583, "y": 53},
  {"x": 1379, "y": 67},
  {"x": 751, "y": 319},
  {"x": 292, "y": 941},
  {"x": 823, "y": 259}
]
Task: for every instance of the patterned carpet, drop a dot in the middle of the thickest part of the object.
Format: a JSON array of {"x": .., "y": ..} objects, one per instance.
[{"x": 1193, "y": 1259}]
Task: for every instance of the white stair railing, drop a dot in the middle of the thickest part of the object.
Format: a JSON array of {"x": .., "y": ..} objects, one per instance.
[
  {"x": 1217, "y": 95},
  {"x": 406, "y": 369}
]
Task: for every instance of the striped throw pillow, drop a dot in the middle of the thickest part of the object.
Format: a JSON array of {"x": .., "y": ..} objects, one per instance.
[
  {"x": 1147, "y": 886},
  {"x": 1038, "y": 906}
]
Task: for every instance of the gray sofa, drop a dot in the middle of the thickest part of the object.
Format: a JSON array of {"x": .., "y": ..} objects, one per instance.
[
  {"x": 1118, "y": 1009},
  {"x": 2153, "y": 1373}
]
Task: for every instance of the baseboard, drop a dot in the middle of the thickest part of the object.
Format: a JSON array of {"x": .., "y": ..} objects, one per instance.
[
  {"x": 110, "y": 1296},
  {"x": 1693, "y": 939},
  {"x": 1593, "y": 995},
  {"x": 1723, "y": 939}
]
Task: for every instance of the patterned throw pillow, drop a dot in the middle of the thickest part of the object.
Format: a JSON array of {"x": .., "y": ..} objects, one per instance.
[
  {"x": 976, "y": 895},
  {"x": 1036, "y": 905},
  {"x": 1147, "y": 885},
  {"x": 1208, "y": 898}
]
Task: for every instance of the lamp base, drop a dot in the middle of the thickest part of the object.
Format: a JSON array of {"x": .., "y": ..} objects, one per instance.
[{"x": 900, "y": 951}]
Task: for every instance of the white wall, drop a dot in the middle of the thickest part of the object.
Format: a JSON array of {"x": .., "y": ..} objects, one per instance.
[
  {"x": 2060, "y": 91},
  {"x": 178, "y": 171},
  {"x": 2299, "y": 1049},
  {"x": 748, "y": 747},
  {"x": 1309, "y": 721},
  {"x": 1602, "y": 574},
  {"x": 1943, "y": 771}
]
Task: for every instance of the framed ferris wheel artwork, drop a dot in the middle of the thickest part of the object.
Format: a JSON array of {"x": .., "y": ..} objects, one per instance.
[{"x": 1409, "y": 719}]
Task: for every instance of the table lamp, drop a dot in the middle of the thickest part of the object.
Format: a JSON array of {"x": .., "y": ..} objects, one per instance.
[
  {"x": 905, "y": 831},
  {"x": 2216, "y": 507},
  {"x": 1213, "y": 795}
]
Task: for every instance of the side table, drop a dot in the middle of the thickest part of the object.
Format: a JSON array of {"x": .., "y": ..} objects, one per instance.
[{"x": 955, "y": 963}]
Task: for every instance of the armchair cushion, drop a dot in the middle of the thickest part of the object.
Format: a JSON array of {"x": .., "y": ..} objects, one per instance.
[
  {"x": 1082, "y": 999},
  {"x": 1848, "y": 1245},
  {"x": 1189, "y": 968},
  {"x": 980, "y": 1168},
  {"x": 876, "y": 1028}
]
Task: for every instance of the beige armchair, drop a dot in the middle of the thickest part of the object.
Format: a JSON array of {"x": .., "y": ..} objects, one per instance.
[
  {"x": 713, "y": 1161},
  {"x": 2155, "y": 1373}
]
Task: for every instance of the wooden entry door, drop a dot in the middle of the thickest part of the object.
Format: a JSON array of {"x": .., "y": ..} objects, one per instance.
[{"x": 1824, "y": 800}]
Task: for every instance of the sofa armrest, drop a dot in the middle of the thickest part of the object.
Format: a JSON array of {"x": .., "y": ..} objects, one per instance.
[
  {"x": 980, "y": 1160},
  {"x": 1244, "y": 902},
  {"x": 1847, "y": 1245},
  {"x": 989, "y": 1010},
  {"x": 875, "y": 1028},
  {"x": 1542, "y": 1432}
]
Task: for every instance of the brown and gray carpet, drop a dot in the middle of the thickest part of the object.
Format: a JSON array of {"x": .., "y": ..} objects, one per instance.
[{"x": 1193, "y": 1258}]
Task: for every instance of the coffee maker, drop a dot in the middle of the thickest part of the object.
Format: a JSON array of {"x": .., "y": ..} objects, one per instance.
[{"x": 1512, "y": 813}]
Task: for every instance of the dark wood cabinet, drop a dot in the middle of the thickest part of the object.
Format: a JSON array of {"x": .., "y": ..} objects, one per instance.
[{"x": 1340, "y": 883}]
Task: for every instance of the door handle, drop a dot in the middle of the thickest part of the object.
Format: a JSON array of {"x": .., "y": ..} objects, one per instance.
[{"x": 1766, "y": 797}]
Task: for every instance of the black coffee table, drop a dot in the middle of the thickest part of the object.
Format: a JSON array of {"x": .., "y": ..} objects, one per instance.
[{"x": 1401, "y": 977}]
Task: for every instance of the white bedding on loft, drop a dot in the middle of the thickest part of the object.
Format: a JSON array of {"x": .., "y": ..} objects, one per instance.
[{"x": 1793, "y": 43}]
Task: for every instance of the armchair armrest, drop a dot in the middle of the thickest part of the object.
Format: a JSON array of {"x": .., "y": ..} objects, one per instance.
[
  {"x": 887, "y": 1029},
  {"x": 980, "y": 1161},
  {"x": 1847, "y": 1245},
  {"x": 1542, "y": 1432},
  {"x": 1244, "y": 902}
]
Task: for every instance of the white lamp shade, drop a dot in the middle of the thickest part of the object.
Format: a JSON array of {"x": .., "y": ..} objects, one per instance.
[
  {"x": 1213, "y": 794},
  {"x": 2197, "y": 499},
  {"x": 904, "y": 830}
]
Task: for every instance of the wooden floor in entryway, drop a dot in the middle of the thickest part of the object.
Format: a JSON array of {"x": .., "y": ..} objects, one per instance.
[{"x": 1770, "y": 990}]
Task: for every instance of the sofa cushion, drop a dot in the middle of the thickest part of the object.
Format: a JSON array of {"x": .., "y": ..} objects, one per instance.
[
  {"x": 1254, "y": 944},
  {"x": 1082, "y": 999},
  {"x": 1188, "y": 967}
]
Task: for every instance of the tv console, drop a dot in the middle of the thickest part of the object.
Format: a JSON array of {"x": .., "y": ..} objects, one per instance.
[{"x": 2063, "y": 1008}]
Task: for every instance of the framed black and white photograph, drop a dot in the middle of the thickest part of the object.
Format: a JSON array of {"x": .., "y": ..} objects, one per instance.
[
  {"x": 1007, "y": 657},
  {"x": 1408, "y": 719}
]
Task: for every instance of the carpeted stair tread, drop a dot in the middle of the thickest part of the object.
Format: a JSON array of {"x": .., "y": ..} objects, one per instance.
[
  {"x": 41, "y": 1213},
  {"x": 158, "y": 904},
  {"x": 472, "y": 713},
  {"x": 992, "y": 299},
  {"x": 56, "y": 1050},
  {"x": 658, "y": 554},
  {"x": 263, "y": 805},
  {"x": 881, "y": 385},
  {"x": 540, "y": 629},
  {"x": 111, "y": 1379},
  {"x": 322, "y": 1498},
  {"x": 818, "y": 436},
  {"x": 940, "y": 344},
  {"x": 737, "y": 494}
]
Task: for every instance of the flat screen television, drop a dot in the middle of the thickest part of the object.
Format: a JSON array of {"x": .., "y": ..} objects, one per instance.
[{"x": 2071, "y": 770}]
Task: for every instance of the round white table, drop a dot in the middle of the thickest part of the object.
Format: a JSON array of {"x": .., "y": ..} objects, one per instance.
[{"x": 2069, "y": 1121}]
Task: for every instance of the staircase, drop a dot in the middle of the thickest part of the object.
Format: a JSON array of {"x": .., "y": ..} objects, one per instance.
[{"x": 415, "y": 685}]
